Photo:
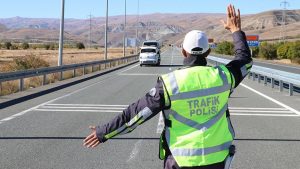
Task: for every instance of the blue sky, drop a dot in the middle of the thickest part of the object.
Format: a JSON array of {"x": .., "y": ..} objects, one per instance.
[{"x": 82, "y": 8}]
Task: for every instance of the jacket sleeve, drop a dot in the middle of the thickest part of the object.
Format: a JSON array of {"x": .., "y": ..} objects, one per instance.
[
  {"x": 135, "y": 114},
  {"x": 242, "y": 63}
]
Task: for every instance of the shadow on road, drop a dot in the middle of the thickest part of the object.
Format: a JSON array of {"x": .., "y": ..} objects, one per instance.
[
  {"x": 279, "y": 140},
  {"x": 72, "y": 138},
  {"x": 133, "y": 138}
]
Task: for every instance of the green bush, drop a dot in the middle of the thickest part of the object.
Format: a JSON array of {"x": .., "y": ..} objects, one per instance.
[
  {"x": 14, "y": 47},
  {"x": 267, "y": 51},
  {"x": 282, "y": 51},
  {"x": 7, "y": 45},
  {"x": 225, "y": 47},
  {"x": 255, "y": 51},
  {"x": 47, "y": 46},
  {"x": 80, "y": 45},
  {"x": 294, "y": 51},
  {"x": 25, "y": 45}
]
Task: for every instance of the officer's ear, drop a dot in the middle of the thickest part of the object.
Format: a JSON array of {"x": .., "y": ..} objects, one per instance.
[{"x": 183, "y": 52}]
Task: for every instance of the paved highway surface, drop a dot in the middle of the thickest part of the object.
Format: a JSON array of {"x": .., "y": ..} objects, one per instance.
[
  {"x": 47, "y": 132},
  {"x": 269, "y": 64}
]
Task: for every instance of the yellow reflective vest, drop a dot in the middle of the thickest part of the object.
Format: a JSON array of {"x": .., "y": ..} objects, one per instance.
[{"x": 199, "y": 132}]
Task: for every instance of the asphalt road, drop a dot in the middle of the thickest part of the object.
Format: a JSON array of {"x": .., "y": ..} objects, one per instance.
[
  {"x": 47, "y": 132},
  {"x": 269, "y": 64}
]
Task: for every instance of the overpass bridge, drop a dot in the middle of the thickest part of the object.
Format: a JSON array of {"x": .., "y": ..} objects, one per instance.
[{"x": 47, "y": 131}]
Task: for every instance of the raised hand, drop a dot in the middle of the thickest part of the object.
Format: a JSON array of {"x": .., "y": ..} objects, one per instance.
[{"x": 233, "y": 23}]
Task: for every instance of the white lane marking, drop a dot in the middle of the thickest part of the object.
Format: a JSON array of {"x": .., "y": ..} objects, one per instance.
[
  {"x": 254, "y": 108},
  {"x": 135, "y": 150},
  {"x": 274, "y": 115},
  {"x": 160, "y": 124},
  {"x": 138, "y": 74},
  {"x": 89, "y": 105},
  {"x": 76, "y": 110},
  {"x": 261, "y": 111},
  {"x": 127, "y": 69},
  {"x": 102, "y": 108},
  {"x": 53, "y": 100},
  {"x": 271, "y": 99}
]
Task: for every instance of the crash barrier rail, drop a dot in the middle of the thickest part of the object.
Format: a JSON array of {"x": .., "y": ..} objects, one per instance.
[
  {"x": 291, "y": 81},
  {"x": 21, "y": 75}
]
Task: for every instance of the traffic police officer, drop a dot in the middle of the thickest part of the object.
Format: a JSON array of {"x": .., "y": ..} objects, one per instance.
[{"x": 198, "y": 133}]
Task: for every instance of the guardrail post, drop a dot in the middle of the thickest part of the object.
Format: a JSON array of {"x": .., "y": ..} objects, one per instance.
[
  {"x": 272, "y": 82},
  {"x": 265, "y": 80},
  {"x": 258, "y": 78},
  {"x": 21, "y": 84},
  {"x": 291, "y": 89},
  {"x": 84, "y": 70},
  {"x": 280, "y": 85},
  {"x": 109, "y": 64},
  {"x": 44, "y": 79},
  {"x": 92, "y": 68},
  {"x": 74, "y": 73},
  {"x": 99, "y": 67},
  {"x": 0, "y": 89},
  {"x": 61, "y": 76},
  {"x": 253, "y": 76}
]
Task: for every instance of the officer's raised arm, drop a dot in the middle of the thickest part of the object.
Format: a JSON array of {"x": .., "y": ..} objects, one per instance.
[{"x": 242, "y": 63}]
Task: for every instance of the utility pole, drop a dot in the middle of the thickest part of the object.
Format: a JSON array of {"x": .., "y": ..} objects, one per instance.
[
  {"x": 106, "y": 26},
  {"x": 283, "y": 21},
  {"x": 137, "y": 27},
  {"x": 124, "y": 37},
  {"x": 61, "y": 35},
  {"x": 90, "y": 33}
]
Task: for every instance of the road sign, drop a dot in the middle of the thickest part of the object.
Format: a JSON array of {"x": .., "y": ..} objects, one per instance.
[{"x": 253, "y": 40}]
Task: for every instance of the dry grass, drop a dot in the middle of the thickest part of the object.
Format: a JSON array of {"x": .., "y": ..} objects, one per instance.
[{"x": 71, "y": 56}]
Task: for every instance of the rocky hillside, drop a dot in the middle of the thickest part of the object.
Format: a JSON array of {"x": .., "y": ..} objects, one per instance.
[{"x": 167, "y": 27}]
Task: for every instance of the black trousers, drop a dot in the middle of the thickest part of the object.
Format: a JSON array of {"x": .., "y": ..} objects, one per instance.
[{"x": 170, "y": 163}]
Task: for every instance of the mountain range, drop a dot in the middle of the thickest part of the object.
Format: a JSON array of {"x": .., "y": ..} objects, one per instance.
[{"x": 169, "y": 28}]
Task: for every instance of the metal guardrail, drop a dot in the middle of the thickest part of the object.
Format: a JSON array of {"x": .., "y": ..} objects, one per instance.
[
  {"x": 21, "y": 75},
  {"x": 291, "y": 80}
]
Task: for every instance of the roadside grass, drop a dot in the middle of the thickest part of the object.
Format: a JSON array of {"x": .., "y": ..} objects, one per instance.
[{"x": 71, "y": 56}]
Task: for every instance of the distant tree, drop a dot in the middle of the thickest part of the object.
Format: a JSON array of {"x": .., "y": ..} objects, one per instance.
[
  {"x": 47, "y": 46},
  {"x": 80, "y": 45},
  {"x": 267, "y": 50},
  {"x": 25, "y": 45},
  {"x": 255, "y": 51},
  {"x": 225, "y": 47},
  {"x": 294, "y": 51},
  {"x": 0, "y": 46},
  {"x": 282, "y": 51},
  {"x": 14, "y": 47},
  {"x": 7, "y": 45}
]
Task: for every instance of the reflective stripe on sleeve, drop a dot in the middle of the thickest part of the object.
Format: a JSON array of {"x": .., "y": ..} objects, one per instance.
[
  {"x": 132, "y": 124},
  {"x": 200, "y": 151}
]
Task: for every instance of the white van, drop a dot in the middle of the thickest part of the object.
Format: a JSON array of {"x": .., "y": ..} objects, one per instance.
[
  {"x": 149, "y": 56},
  {"x": 153, "y": 43}
]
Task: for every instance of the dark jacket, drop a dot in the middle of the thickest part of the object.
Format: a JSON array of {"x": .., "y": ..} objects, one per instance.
[{"x": 153, "y": 102}]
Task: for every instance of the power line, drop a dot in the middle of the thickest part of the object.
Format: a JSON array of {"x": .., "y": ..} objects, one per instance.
[{"x": 283, "y": 27}]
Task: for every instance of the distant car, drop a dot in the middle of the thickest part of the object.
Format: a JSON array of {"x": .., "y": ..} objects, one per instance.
[{"x": 149, "y": 56}]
